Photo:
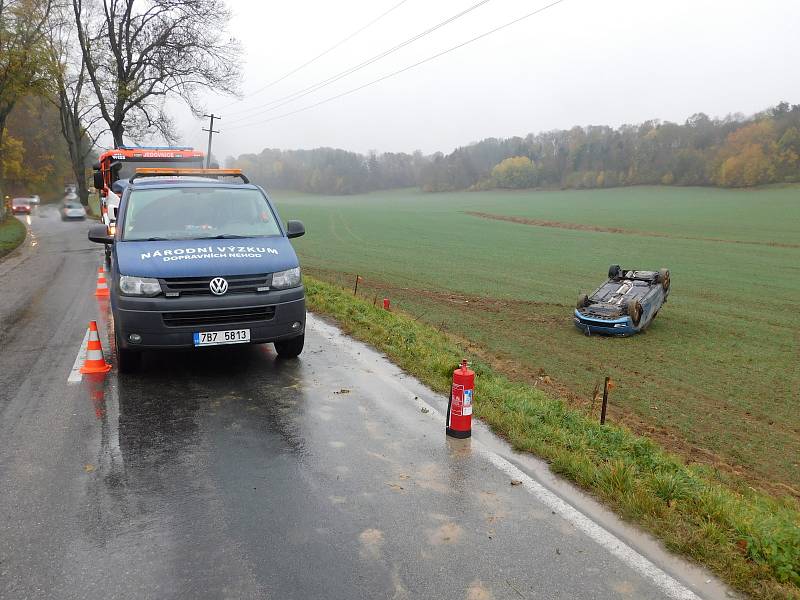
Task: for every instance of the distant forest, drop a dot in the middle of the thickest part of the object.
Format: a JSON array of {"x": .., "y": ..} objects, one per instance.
[{"x": 735, "y": 151}]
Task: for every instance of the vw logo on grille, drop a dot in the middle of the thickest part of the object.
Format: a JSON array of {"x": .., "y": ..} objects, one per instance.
[{"x": 218, "y": 286}]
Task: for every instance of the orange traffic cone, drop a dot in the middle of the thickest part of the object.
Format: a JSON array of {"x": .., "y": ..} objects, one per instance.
[
  {"x": 94, "y": 363},
  {"x": 102, "y": 284}
]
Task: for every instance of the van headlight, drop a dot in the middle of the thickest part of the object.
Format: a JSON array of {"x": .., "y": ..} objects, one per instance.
[
  {"x": 286, "y": 279},
  {"x": 139, "y": 286}
]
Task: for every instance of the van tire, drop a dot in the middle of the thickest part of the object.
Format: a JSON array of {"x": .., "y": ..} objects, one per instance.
[
  {"x": 583, "y": 301},
  {"x": 290, "y": 348},
  {"x": 614, "y": 272}
]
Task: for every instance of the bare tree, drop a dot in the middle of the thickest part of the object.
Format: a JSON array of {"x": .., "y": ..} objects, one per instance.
[
  {"x": 139, "y": 53},
  {"x": 71, "y": 93},
  {"x": 23, "y": 56}
]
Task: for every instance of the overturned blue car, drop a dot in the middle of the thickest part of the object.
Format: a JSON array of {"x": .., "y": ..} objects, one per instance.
[{"x": 625, "y": 304}]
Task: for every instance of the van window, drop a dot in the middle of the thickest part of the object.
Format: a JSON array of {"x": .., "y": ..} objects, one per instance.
[{"x": 198, "y": 213}]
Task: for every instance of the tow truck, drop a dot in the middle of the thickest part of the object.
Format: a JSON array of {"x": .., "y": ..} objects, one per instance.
[{"x": 116, "y": 166}]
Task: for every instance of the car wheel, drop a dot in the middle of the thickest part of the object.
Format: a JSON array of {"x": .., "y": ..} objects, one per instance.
[
  {"x": 635, "y": 312},
  {"x": 128, "y": 361},
  {"x": 614, "y": 272},
  {"x": 290, "y": 348},
  {"x": 663, "y": 277},
  {"x": 583, "y": 301}
]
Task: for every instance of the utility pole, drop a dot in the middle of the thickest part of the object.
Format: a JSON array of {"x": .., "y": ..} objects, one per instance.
[{"x": 211, "y": 132}]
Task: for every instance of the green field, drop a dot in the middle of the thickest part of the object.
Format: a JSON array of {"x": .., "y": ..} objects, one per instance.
[{"x": 715, "y": 377}]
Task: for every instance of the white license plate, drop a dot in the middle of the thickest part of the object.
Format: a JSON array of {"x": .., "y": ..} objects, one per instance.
[{"x": 216, "y": 338}]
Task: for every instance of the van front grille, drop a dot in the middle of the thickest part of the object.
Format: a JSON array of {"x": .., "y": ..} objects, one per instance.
[
  {"x": 206, "y": 318},
  {"x": 199, "y": 286}
]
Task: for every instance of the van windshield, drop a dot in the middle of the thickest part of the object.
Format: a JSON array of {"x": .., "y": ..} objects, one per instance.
[{"x": 202, "y": 212}]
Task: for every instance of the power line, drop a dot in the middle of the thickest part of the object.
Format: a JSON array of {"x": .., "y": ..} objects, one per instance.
[
  {"x": 403, "y": 70},
  {"x": 268, "y": 107},
  {"x": 320, "y": 55}
]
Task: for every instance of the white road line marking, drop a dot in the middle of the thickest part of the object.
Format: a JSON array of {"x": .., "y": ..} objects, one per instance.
[
  {"x": 75, "y": 374},
  {"x": 670, "y": 586}
]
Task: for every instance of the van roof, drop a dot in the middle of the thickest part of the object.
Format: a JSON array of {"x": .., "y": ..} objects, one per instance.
[{"x": 187, "y": 181}]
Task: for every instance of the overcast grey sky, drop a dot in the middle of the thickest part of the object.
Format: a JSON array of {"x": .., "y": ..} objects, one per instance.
[{"x": 578, "y": 63}]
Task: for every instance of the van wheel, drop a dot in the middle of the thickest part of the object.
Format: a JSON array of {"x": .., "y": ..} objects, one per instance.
[
  {"x": 614, "y": 272},
  {"x": 128, "y": 361},
  {"x": 583, "y": 301},
  {"x": 290, "y": 348}
]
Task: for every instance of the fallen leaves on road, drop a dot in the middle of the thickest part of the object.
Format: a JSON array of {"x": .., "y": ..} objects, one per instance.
[
  {"x": 342, "y": 391},
  {"x": 88, "y": 468},
  {"x": 516, "y": 482}
]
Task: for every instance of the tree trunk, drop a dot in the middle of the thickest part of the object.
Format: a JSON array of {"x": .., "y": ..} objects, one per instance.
[
  {"x": 73, "y": 136},
  {"x": 79, "y": 170},
  {"x": 116, "y": 132}
]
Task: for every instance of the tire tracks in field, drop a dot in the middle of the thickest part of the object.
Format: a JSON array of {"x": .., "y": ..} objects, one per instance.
[{"x": 618, "y": 230}]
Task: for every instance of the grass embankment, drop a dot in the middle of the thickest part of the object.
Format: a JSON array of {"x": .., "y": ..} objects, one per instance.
[
  {"x": 12, "y": 232},
  {"x": 749, "y": 539}
]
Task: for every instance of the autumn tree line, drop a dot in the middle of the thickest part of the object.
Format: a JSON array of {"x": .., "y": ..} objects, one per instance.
[
  {"x": 73, "y": 72},
  {"x": 735, "y": 151}
]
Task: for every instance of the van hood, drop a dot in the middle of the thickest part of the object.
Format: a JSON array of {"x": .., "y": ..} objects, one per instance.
[{"x": 205, "y": 258}]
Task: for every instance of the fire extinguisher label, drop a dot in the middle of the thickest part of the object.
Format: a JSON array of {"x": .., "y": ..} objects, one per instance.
[
  {"x": 457, "y": 403},
  {"x": 467, "y": 407}
]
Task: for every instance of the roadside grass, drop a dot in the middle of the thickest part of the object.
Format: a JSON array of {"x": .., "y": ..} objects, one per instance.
[
  {"x": 714, "y": 378},
  {"x": 750, "y": 539},
  {"x": 12, "y": 232}
]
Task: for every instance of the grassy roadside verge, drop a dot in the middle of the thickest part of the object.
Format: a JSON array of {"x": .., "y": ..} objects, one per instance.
[
  {"x": 12, "y": 232},
  {"x": 750, "y": 540}
]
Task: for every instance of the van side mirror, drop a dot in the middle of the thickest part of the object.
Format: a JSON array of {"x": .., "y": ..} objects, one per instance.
[
  {"x": 100, "y": 234},
  {"x": 98, "y": 179},
  {"x": 295, "y": 229}
]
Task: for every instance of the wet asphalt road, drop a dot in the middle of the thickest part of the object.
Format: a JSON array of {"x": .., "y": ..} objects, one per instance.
[{"x": 230, "y": 474}]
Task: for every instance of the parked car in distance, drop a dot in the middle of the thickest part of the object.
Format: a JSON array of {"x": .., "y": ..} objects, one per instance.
[
  {"x": 34, "y": 199},
  {"x": 21, "y": 206},
  {"x": 625, "y": 304},
  {"x": 72, "y": 210}
]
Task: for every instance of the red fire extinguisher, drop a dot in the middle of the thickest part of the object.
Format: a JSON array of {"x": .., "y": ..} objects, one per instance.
[{"x": 459, "y": 409}]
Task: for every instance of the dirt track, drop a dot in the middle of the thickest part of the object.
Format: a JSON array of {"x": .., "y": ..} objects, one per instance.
[{"x": 584, "y": 227}]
